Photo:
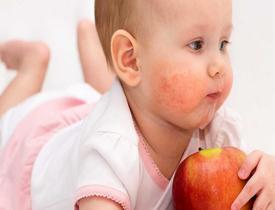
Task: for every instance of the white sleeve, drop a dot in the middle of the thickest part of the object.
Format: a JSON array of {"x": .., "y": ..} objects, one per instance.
[
  {"x": 226, "y": 130},
  {"x": 108, "y": 167}
]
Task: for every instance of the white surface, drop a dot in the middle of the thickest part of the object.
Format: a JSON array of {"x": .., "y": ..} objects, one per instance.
[
  {"x": 253, "y": 59},
  {"x": 253, "y": 56},
  {"x": 54, "y": 22}
]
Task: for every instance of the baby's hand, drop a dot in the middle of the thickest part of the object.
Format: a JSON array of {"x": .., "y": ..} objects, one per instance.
[{"x": 261, "y": 183}]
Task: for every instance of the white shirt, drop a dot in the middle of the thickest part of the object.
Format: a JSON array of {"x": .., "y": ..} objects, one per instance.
[{"x": 103, "y": 155}]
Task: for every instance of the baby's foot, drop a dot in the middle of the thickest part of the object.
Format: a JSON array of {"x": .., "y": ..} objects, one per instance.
[
  {"x": 92, "y": 58},
  {"x": 24, "y": 56}
]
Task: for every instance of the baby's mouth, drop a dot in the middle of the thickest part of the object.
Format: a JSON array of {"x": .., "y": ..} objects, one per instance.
[
  {"x": 216, "y": 93},
  {"x": 214, "y": 96}
]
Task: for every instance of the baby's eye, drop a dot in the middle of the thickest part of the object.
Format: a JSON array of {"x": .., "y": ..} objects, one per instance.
[
  {"x": 196, "y": 45},
  {"x": 224, "y": 43}
]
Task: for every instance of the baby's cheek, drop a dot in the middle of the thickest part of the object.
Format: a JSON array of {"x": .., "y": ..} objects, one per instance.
[
  {"x": 180, "y": 92},
  {"x": 227, "y": 87},
  {"x": 228, "y": 82}
]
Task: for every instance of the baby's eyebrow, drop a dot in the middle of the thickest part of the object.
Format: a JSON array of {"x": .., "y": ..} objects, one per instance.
[{"x": 198, "y": 26}]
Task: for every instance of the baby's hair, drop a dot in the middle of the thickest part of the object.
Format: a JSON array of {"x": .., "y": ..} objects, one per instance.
[{"x": 110, "y": 16}]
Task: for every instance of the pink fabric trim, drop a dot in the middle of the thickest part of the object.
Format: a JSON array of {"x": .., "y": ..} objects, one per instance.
[
  {"x": 150, "y": 164},
  {"x": 31, "y": 134},
  {"x": 105, "y": 192}
]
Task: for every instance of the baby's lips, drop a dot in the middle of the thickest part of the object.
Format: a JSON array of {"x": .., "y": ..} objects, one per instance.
[{"x": 215, "y": 95}]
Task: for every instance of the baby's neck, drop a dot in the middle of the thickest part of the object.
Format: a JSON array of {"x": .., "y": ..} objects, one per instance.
[
  {"x": 165, "y": 146},
  {"x": 166, "y": 143}
]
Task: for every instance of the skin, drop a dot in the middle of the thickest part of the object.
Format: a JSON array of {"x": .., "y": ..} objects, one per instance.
[
  {"x": 98, "y": 203},
  {"x": 30, "y": 60},
  {"x": 167, "y": 81},
  {"x": 172, "y": 98},
  {"x": 93, "y": 62},
  {"x": 259, "y": 168}
]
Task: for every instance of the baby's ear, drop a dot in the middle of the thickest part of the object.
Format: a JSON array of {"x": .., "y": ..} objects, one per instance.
[{"x": 124, "y": 56}]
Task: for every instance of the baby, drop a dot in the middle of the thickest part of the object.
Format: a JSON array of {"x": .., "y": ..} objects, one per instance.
[{"x": 173, "y": 75}]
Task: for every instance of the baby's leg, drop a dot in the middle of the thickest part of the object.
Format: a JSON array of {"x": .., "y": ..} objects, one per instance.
[
  {"x": 30, "y": 60},
  {"x": 92, "y": 58}
]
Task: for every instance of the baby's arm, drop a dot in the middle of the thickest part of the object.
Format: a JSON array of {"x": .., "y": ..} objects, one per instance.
[
  {"x": 92, "y": 58},
  {"x": 97, "y": 203},
  {"x": 30, "y": 60}
]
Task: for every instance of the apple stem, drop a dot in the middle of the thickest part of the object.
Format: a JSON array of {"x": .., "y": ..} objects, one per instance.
[{"x": 200, "y": 149}]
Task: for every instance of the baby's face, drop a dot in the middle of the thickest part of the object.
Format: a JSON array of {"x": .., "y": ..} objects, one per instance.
[{"x": 186, "y": 71}]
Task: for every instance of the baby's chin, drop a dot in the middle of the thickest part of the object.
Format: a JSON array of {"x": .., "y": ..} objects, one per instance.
[{"x": 209, "y": 116}]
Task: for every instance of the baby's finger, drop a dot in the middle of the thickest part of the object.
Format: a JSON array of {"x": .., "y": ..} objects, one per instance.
[
  {"x": 252, "y": 187},
  {"x": 249, "y": 164},
  {"x": 262, "y": 202}
]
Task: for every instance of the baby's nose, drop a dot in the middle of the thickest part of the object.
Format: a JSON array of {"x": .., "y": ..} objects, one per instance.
[{"x": 216, "y": 70}]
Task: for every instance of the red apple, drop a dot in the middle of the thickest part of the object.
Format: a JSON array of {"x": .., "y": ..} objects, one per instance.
[{"x": 208, "y": 180}]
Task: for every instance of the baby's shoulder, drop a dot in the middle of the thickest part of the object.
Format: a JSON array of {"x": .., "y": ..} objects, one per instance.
[
  {"x": 118, "y": 152},
  {"x": 115, "y": 158}
]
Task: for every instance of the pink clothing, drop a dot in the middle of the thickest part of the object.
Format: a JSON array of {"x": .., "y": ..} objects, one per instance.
[{"x": 29, "y": 137}]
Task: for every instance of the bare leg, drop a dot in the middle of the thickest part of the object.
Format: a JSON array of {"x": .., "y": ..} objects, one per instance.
[
  {"x": 30, "y": 60},
  {"x": 92, "y": 58}
]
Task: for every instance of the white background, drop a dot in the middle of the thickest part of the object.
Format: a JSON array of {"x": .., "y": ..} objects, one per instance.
[
  {"x": 253, "y": 59},
  {"x": 253, "y": 54}
]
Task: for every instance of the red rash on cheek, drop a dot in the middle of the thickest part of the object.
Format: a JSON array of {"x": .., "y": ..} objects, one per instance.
[{"x": 178, "y": 91}]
